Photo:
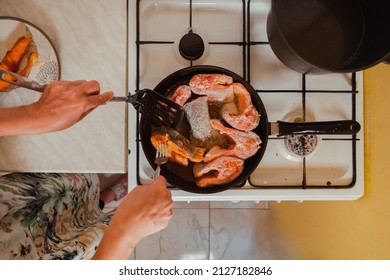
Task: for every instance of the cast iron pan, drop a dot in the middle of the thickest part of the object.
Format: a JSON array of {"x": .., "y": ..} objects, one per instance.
[
  {"x": 181, "y": 177},
  {"x": 171, "y": 170}
]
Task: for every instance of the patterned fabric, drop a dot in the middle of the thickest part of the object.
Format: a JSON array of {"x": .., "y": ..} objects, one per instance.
[{"x": 50, "y": 216}]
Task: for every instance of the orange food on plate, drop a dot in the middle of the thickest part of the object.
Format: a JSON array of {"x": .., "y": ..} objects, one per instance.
[
  {"x": 13, "y": 57},
  {"x": 32, "y": 59}
]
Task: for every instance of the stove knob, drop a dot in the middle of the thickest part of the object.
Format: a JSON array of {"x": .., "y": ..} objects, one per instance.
[{"x": 191, "y": 46}]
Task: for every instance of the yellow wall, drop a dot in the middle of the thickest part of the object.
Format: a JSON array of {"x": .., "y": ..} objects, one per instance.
[{"x": 348, "y": 229}]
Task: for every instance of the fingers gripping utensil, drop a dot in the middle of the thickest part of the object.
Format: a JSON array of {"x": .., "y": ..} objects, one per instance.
[
  {"x": 160, "y": 109},
  {"x": 161, "y": 157}
]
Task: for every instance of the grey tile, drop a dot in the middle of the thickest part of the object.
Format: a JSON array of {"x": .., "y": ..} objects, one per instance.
[
  {"x": 185, "y": 238},
  {"x": 243, "y": 234}
]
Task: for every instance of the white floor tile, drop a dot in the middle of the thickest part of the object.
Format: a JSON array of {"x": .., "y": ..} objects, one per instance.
[
  {"x": 185, "y": 238},
  {"x": 242, "y": 234}
]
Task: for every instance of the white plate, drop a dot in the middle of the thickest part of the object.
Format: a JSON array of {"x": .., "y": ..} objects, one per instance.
[{"x": 45, "y": 70}]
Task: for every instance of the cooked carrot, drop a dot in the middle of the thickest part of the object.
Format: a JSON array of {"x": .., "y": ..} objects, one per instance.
[
  {"x": 14, "y": 56},
  {"x": 32, "y": 58}
]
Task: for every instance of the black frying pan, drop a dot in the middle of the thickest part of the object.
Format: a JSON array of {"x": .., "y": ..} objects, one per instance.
[{"x": 185, "y": 180}]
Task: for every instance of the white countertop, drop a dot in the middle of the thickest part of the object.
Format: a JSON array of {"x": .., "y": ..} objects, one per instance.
[{"x": 90, "y": 38}]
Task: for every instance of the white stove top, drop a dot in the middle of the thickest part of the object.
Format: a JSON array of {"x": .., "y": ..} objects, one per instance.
[{"x": 238, "y": 42}]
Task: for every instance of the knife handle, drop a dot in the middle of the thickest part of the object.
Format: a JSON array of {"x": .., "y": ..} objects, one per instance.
[{"x": 347, "y": 127}]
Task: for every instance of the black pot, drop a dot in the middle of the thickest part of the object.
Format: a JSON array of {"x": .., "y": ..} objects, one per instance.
[
  {"x": 323, "y": 36},
  {"x": 182, "y": 177}
]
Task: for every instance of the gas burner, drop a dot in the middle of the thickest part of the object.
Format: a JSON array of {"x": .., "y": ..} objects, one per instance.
[
  {"x": 191, "y": 46},
  {"x": 295, "y": 147},
  {"x": 301, "y": 145}
]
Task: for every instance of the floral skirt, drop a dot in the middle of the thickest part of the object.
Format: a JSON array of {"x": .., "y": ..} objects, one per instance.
[{"x": 50, "y": 216}]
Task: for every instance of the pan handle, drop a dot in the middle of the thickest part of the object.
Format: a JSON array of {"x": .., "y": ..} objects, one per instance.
[{"x": 347, "y": 127}]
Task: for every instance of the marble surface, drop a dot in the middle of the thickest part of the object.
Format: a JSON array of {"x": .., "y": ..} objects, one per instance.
[
  {"x": 215, "y": 230},
  {"x": 90, "y": 38}
]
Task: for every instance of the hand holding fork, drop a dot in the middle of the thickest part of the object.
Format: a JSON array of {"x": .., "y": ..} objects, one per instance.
[{"x": 161, "y": 157}]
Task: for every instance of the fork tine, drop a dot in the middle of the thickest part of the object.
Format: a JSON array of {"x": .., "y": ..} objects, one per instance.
[
  {"x": 161, "y": 156},
  {"x": 166, "y": 149},
  {"x": 159, "y": 148}
]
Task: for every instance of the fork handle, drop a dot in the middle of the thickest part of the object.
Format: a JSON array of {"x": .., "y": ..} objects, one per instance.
[
  {"x": 157, "y": 172},
  {"x": 21, "y": 81}
]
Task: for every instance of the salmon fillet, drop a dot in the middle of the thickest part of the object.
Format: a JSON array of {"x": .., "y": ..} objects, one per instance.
[
  {"x": 217, "y": 87},
  {"x": 247, "y": 117},
  {"x": 181, "y": 95}
]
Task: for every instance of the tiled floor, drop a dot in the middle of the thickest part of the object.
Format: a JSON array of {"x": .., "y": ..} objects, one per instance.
[{"x": 213, "y": 230}]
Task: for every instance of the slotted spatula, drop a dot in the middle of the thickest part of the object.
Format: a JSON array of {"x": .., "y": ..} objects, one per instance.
[{"x": 149, "y": 103}]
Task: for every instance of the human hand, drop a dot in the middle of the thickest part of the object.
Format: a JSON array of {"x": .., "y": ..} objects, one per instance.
[
  {"x": 64, "y": 103},
  {"x": 145, "y": 210}
]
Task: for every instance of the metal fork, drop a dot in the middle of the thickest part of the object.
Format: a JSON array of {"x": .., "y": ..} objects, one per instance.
[{"x": 161, "y": 157}]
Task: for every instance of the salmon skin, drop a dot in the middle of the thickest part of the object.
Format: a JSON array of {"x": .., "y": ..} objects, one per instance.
[{"x": 198, "y": 116}]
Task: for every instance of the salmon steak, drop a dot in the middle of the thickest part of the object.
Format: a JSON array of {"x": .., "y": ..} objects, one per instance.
[
  {"x": 180, "y": 149},
  {"x": 244, "y": 143},
  {"x": 247, "y": 117},
  {"x": 217, "y": 87},
  {"x": 198, "y": 117},
  {"x": 220, "y": 171},
  {"x": 181, "y": 95}
]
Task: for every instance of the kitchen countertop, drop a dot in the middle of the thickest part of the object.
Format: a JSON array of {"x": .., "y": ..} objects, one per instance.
[{"x": 90, "y": 38}]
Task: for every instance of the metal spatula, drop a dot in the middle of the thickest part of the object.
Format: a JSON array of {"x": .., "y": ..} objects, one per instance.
[
  {"x": 151, "y": 104},
  {"x": 161, "y": 110}
]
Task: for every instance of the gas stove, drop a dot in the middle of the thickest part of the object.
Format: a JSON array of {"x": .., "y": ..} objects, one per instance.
[{"x": 232, "y": 35}]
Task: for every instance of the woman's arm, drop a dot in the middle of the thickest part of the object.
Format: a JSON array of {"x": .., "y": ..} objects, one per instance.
[
  {"x": 62, "y": 104},
  {"x": 145, "y": 210}
]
